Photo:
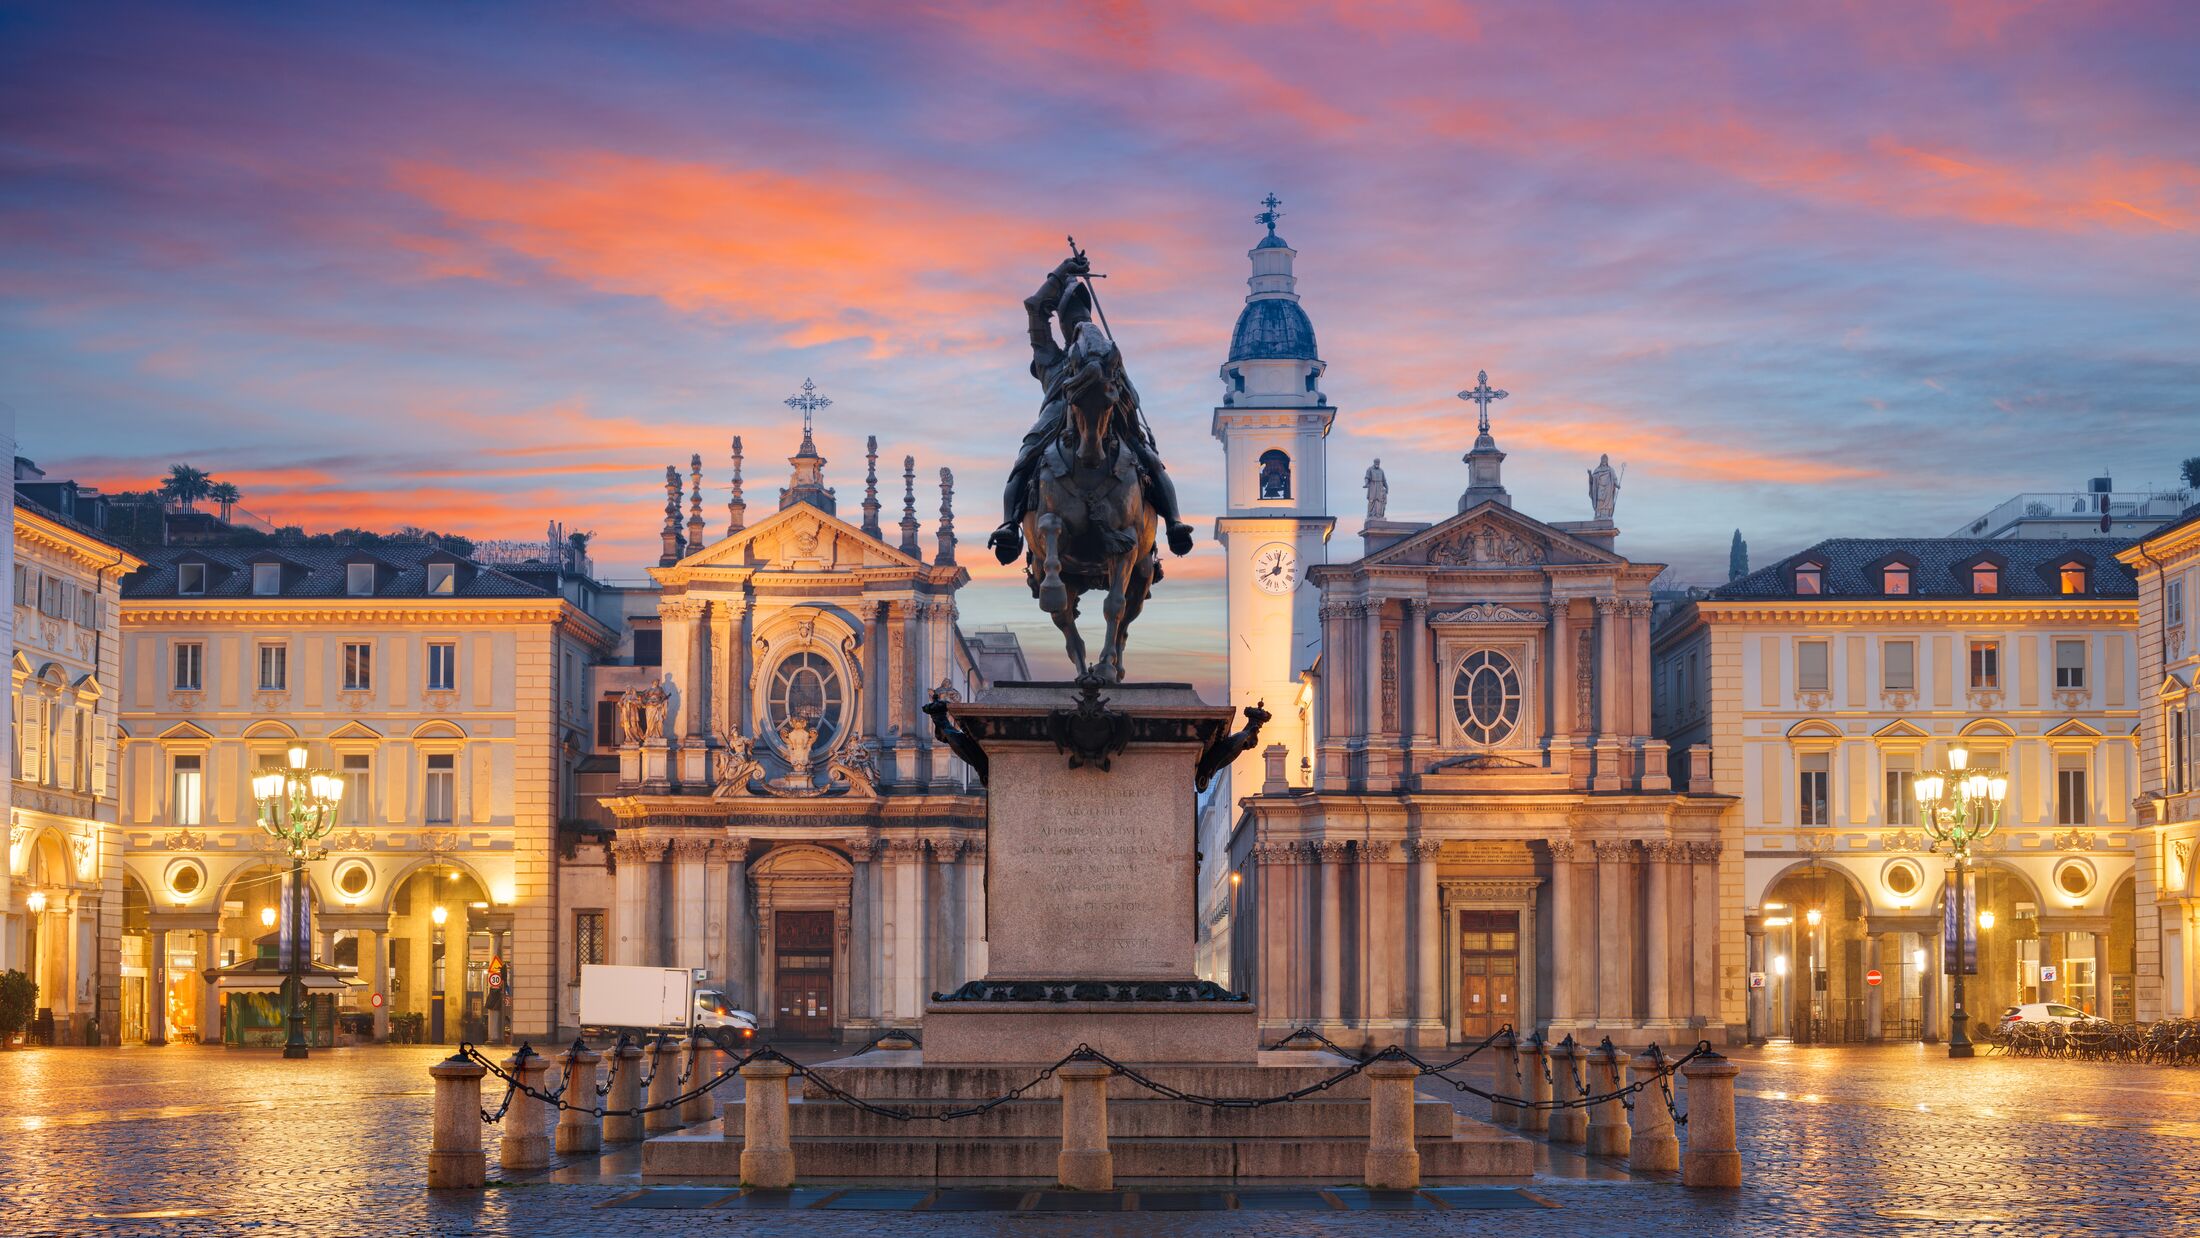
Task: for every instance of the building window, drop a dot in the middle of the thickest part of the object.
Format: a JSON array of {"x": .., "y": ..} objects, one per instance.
[
  {"x": 1275, "y": 474},
  {"x": 191, "y": 579},
  {"x": 1811, "y": 674},
  {"x": 2070, "y": 790},
  {"x": 87, "y": 609},
  {"x": 274, "y": 668},
  {"x": 442, "y": 577},
  {"x": 359, "y": 579},
  {"x": 1898, "y": 666},
  {"x": 1810, "y": 578},
  {"x": 2073, "y": 577},
  {"x": 649, "y": 646},
  {"x": 607, "y": 722},
  {"x": 358, "y": 785},
  {"x": 190, "y": 666},
  {"x": 442, "y": 666},
  {"x": 806, "y": 686},
  {"x": 1485, "y": 697},
  {"x": 2180, "y": 749},
  {"x": 1811, "y": 786},
  {"x": 2070, "y": 664},
  {"x": 1985, "y": 578},
  {"x": 2173, "y": 602},
  {"x": 1986, "y": 665},
  {"x": 588, "y": 939},
  {"x": 358, "y": 666},
  {"x": 1901, "y": 797},
  {"x": 1895, "y": 578},
  {"x": 440, "y": 796},
  {"x": 267, "y": 579},
  {"x": 190, "y": 790}
]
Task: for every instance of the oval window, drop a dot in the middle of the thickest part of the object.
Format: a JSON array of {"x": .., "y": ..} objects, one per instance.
[
  {"x": 805, "y": 685},
  {"x": 1485, "y": 697},
  {"x": 2075, "y": 879},
  {"x": 184, "y": 880},
  {"x": 1903, "y": 879},
  {"x": 354, "y": 878}
]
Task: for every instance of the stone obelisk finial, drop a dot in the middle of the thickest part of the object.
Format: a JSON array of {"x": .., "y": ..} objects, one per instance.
[
  {"x": 670, "y": 554},
  {"x": 909, "y": 507},
  {"x": 695, "y": 499},
  {"x": 737, "y": 509},
  {"x": 947, "y": 518},
  {"x": 870, "y": 486}
]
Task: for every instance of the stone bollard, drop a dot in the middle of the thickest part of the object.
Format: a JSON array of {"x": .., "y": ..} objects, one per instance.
[
  {"x": 1393, "y": 1163},
  {"x": 1652, "y": 1145},
  {"x": 703, "y": 1058},
  {"x": 1712, "y": 1159},
  {"x": 455, "y": 1160},
  {"x": 1507, "y": 1081},
  {"x": 579, "y": 1129},
  {"x": 1085, "y": 1164},
  {"x": 625, "y": 1094},
  {"x": 1608, "y": 1118},
  {"x": 767, "y": 1152},
  {"x": 527, "y": 1122},
  {"x": 664, "y": 1084},
  {"x": 1569, "y": 1125},
  {"x": 1534, "y": 1060}
]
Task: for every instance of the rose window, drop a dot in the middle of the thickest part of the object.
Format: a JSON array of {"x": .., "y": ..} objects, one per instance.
[
  {"x": 806, "y": 686},
  {"x": 1485, "y": 697}
]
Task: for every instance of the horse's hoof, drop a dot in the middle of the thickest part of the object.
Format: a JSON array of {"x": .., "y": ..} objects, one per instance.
[{"x": 1053, "y": 597}]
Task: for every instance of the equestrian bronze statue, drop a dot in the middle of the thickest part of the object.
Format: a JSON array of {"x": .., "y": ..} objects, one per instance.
[{"x": 1088, "y": 487}]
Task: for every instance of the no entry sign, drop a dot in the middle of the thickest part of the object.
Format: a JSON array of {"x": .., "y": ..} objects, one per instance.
[
  {"x": 378, "y": 1001},
  {"x": 1872, "y": 977}
]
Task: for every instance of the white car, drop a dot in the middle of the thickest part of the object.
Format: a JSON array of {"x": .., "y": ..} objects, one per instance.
[
  {"x": 712, "y": 1010},
  {"x": 2043, "y": 1012}
]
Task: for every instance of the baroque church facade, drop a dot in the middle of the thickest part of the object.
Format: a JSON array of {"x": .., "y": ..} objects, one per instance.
[
  {"x": 780, "y": 816},
  {"x": 1465, "y": 820}
]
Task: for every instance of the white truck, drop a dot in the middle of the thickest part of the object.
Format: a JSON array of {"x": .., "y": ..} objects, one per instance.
[{"x": 655, "y": 999}]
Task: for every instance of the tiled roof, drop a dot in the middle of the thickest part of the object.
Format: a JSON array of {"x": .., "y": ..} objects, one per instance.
[
  {"x": 1942, "y": 567},
  {"x": 318, "y": 572},
  {"x": 67, "y": 522}
]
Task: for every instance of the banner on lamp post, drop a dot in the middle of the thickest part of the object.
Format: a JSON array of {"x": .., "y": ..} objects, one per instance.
[{"x": 1958, "y": 940}]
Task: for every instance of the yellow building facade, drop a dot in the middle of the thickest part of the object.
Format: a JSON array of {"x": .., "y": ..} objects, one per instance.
[{"x": 2167, "y": 805}]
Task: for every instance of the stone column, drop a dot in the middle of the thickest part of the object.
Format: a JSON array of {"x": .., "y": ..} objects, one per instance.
[
  {"x": 1563, "y": 722},
  {"x": 1614, "y": 952},
  {"x": 156, "y": 987},
  {"x": 1608, "y": 1131},
  {"x": 1428, "y": 945},
  {"x": 943, "y": 932},
  {"x": 863, "y": 897},
  {"x": 633, "y": 915},
  {"x": 1639, "y": 676},
  {"x": 974, "y": 909},
  {"x": 722, "y": 653},
  {"x": 1330, "y": 980},
  {"x": 740, "y": 922},
  {"x": 1378, "y": 723},
  {"x": 909, "y": 913},
  {"x": 1658, "y": 927},
  {"x": 1608, "y": 776},
  {"x": 676, "y": 621},
  {"x": 695, "y": 692},
  {"x": 1566, "y": 961},
  {"x": 2103, "y": 1002},
  {"x": 1759, "y": 1015},
  {"x": 1703, "y": 935},
  {"x": 1417, "y": 676},
  {"x": 210, "y": 1010},
  {"x": 689, "y": 910},
  {"x": 374, "y": 965}
]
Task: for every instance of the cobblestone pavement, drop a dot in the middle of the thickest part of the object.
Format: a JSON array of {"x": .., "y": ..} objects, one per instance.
[{"x": 196, "y": 1140}]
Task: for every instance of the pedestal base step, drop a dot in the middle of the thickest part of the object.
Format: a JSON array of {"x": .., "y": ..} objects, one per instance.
[{"x": 1338, "y": 1118}]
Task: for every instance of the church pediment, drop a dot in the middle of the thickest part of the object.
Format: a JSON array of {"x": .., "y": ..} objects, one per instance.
[
  {"x": 799, "y": 538},
  {"x": 1490, "y": 535}
]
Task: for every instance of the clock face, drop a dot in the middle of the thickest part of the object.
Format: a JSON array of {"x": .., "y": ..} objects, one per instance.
[{"x": 1276, "y": 568}]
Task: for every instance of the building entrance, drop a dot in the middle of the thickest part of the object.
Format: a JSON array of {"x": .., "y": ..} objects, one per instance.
[
  {"x": 1489, "y": 971},
  {"x": 802, "y": 987}
]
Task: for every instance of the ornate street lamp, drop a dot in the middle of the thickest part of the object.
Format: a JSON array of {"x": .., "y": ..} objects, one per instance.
[
  {"x": 298, "y": 808},
  {"x": 1960, "y": 806}
]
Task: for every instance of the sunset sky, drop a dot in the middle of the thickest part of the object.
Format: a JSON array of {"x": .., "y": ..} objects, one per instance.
[{"x": 483, "y": 266}]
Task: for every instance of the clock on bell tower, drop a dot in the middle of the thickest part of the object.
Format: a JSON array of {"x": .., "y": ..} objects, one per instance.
[{"x": 1273, "y": 421}]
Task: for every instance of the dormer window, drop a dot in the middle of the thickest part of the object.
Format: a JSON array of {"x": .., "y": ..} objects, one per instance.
[
  {"x": 1810, "y": 578},
  {"x": 267, "y": 579},
  {"x": 442, "y": 577},
  {"x": 1985, "y": 578},
  {"x": 359, "y": 579},
  {"x": 191, "y": 579},
  {"x": 2074, "y": 577},
  {"x": 1894, "y": 578}
]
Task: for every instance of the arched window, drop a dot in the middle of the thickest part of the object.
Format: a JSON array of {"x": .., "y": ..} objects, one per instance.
[
  {"x": 1275, "y": 474},
  {"x": 1485, "y": 697},
  {"x": 806, "y": 685}
]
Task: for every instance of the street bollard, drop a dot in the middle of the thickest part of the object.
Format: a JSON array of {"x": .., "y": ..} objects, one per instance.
[
  {"x": 527, "y": 1122},
  {"x": 1653, "y": 1144},
  {"x": 1507, "y": 1082},
  {"x": 664, "y": 1084},
  {"x": 625, "y": 1094},
  {"x": 455, "y": 1160},
  {"x": 702, "y": 1058},
  {"x": 579, "y": 1129},
  {"x": 1085, "y": 1164},
  {"x": 767, "y": 1153},
  {"x": 1608, "y": 1118},
  {"x": 1571, "y": 1124},
  {"x": 1393, "y": 1163},
  {"x": 1535, "y": 1059},
  {"x": 1712, "y": 1158}
]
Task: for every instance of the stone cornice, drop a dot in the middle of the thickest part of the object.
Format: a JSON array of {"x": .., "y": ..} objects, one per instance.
[
  {"x": 92, "y": 552},
  {"x": 1967, "y": 611},
  {"x": 175, "y": 612}
]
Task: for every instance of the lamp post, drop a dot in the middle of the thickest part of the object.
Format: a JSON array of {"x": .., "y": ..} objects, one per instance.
[
  {"x": 1960, "y": 806},
  {"x": 297, "y": 807}
]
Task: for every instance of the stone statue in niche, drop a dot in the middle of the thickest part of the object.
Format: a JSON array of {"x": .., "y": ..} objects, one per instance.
[
  {"x": 1603, "y": 487},
  {"x": 655, "y": 702},
  {"x": 1378, "y": 490}
]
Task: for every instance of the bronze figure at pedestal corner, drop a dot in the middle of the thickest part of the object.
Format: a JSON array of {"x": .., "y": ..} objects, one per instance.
[{"x": 1087, "y": 486}]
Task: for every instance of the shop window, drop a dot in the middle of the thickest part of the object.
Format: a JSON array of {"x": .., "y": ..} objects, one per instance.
[
  {"x": 1811, "y": 666},
  {"x": 1275, "y": 474},
  {"x": 2069, "y": 664},
  {"x": 1985, "y": 665},
  {"x": 1898, "y": 666},
  {"x": 1812, "y": 784}
]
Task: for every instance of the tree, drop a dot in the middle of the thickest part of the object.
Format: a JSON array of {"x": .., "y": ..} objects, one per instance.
[
  {"x": 226, "y": 494},
  {"x": 18, "y": 999},
  {"x": 186, "y": 485},
  {"x": 2191, "y": 470},
  {"x": 1737, "y": 558}
]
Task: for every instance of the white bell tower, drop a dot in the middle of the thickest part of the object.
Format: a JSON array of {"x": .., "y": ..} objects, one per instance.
[{"x": 1272, "y": 422}]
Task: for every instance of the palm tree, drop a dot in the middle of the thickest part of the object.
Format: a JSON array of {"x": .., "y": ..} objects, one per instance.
[
  {"x": 226, "y": 494},
  {"x": 185, "y": 485}
]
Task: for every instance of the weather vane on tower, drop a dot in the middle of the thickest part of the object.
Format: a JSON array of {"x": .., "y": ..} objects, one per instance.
[{"x": 1272, "y": 214}]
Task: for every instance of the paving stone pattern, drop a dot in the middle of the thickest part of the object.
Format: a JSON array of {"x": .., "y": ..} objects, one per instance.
[{"x": 195, "y": 1140}]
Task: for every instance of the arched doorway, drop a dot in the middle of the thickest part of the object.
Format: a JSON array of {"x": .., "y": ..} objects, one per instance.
[
  {"x": 2006, "y": 924},
  {"x": 1815, "y": 930},
  {"x": 61, "y": 915},
  {"x": 445, "y": 941},
  {"x": 802, "y": 901},
  {"x": 139, "y": 991}
]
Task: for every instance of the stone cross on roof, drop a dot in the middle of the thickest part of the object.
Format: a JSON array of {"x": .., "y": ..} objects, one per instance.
[
  {"x": 1271, "y": 214},
  {"x": 1482, "y": 397},
  {"x": 809, "y": 402}
]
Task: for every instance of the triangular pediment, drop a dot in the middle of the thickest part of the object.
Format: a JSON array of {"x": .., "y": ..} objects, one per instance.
[
  {"x": 800, "y": 538},
  {"x": 354, "y": 730},
  {"x": 1901, "y": 730},
  {"x": 2173, "y": 687},
  {"x": 2074, "y": 729},
  {"x": 1490, "y": 535},
  {"x": 187, "y": 733}
]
